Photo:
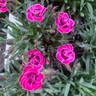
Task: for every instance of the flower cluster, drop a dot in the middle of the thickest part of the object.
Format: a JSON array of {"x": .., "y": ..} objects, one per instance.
[
  {"x": 3, "y": 7},
  {"x": 31, "y": 79}
]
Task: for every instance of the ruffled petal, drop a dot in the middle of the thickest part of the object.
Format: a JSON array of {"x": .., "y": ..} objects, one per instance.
[
  {"x": 29, "y": 17},
  {"x": 40, "y": 77},
  {"x": 4, "y": 9},
  {"x": 38, "y": 18},
  {"x": 58, "y": 56},
  {"x": 26, "y": 69}
]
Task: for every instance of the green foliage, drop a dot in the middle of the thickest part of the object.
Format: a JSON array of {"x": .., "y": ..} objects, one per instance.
[{"x": 82, "y": 80}]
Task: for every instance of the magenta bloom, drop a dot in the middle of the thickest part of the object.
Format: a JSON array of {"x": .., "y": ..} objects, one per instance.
[
  {"x": 31, "y": 79},
  {"x": 64, "y": 23},
  {"x": 35, "y": 59},
  {"x": 35, "y": 12},
  {"x": 65, "y": 54},
  {"x": 3, "y": 7}
]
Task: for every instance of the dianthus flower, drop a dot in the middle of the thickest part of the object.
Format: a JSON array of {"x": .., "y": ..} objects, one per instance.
[
  {"x": 31, "y": 79},
  {"x": 64, "y": 23},
  {"x": 65, "y": 54},
  {"x": 3, "y": 7},
  {"x": 35, "y": 12},
  {"x": 35, "y": 59}
]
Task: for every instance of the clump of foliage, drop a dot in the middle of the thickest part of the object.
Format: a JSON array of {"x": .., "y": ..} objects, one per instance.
[{"x": 80, "y": 80}]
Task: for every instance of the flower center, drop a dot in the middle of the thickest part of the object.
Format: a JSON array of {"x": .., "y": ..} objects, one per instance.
[
  {"x": 64, "y": 53},
  {"x": 30, "y": 78}
]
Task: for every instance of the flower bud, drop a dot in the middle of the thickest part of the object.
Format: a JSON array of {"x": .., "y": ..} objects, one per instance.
[
  {"x": 21, "y": 67},
  {"x": 68, "y": 67},
  {"x": 12, "y": 3},
  {"x": 5, "y": 89},
  {"x": 35, "y": 41},
  {"x": 54, "y": 15},
  {"x": 3, "y": 78},
  {"x": 48, "y": 38},
  {"x": 78, "y": 65},
  {"x": 86, "y": 48},
  {"x": 24, "y": 37},
  {"x": 52, "y": 31},
  {"x": 26, "y": 3},
  {"x": 10, "y": 50},
  {"x": 36, "y": 45},
  {"x": 55, "y": 8},
  {"x": 18, "y": 30},
  {"x": 25, "y": 55},
  {"x": 49, "y": 6},
  {"x": 44, "y": 53},
  {"x": 9, "y": 42},
  {"x": 48, "y": 72},
  {"x": 1, "y": 20}
]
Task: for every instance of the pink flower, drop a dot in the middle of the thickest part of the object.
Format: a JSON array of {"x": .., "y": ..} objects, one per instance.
[
  {"x": 65, "y": 54},
  {"x": 64, "y": 23},
  {"x": 31, "y": 79},
  {"x": 35, "y": 12},
  {"x": 3, "y": 7},
  {"x": 35, "y": 59}
]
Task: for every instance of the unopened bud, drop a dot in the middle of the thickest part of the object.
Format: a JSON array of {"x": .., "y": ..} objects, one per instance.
[
  {"x": 9, "y": 42},
  {"x": 44, "y": 53},
  {"x": 48, "y": 38},
  {"x": 35, "y": 41},
  {"x": 3, "y": 78},
  {"x": 95, "y": 73},
  {"x": 48, "y": 72},
  {"x": 10, "y": 50},
  {"x": 49, "y": 6},
  {"x": 5, "y": 89},
  {"x": 78, "y": 65},
  {"x": 52, "y": 31},
  {"x": 12, "y": 3},
  {"x": 21, "y": 67},
  {"x": 55, "y": 8},
  {"x": 26, "y": 3},
  {"x": 63, "y": 41},
  {"x": 24, "y": 37},
  {"x": 18, "y": 30},
  {"x": 68, "y": 67},
  {"x": 54, "y": 15},
  {"x": 1, "y": 20},
  {"x": 25, "y": 55},
  {"x": 86, "y": 48},
  {"x": 36, "y": 45}
]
